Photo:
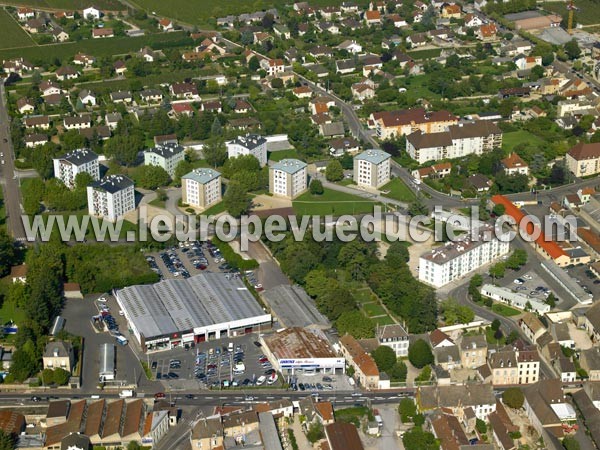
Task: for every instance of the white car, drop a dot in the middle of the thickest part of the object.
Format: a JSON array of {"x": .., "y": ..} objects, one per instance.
[
  {"x": 517, "y": 281},
  {"x": 261, "y": 380},
  {"x": 121, "y": 313},
  {"x": 272, "y": 379},
  {"x": 102, "y": 299}
]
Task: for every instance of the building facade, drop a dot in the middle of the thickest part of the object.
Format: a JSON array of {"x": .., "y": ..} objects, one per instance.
[
  {"x": 111, "y": 197},
  {"x": 372, "y": 168},
  {"x": 288, "y": 178},
  {"x": 78, "y": 161},
  {"x": 201, "y": 188},
  {"x": 251, "y": 144},
  {"x": 395, "y": 337},
  {"x": 584, "y": 159},
  {"x": 167, "y": 156}
]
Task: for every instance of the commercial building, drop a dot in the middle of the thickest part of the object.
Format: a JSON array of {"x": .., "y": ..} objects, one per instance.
[
  {"x": 515, "y": 299},
  {"x": 404, "y": 122},
  {"x": 455, "y": 259},
  {"x": 177, "y": 312},
  {"x": 297, "y": 348},
  {"x": 167, "y": 156},
  {"x": 201, "y": 188},
  {"x": 288, "y": 178},
  {"x": 584, "y": 159},
  {"x": 68, "y": 166},
  {"x": 454, "y": 141},
  {"x": 372, "y": 168},
  {"x": 574, "y": 289},
  {"x": 251, "y": 144},
  {"x": 111, "y": 197},
  {"x": 366, "y": 372}
]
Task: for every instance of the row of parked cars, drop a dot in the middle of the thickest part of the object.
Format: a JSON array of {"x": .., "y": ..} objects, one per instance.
[{"x": 174, "y": 264}]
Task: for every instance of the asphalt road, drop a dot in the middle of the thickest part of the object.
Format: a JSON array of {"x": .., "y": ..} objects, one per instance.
[{"x": 10, "y": 183}]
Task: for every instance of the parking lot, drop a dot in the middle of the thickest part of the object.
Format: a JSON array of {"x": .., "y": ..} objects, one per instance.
[
  {"x": 187, "y": 259},
  {"x": 582, "y": 275},
  {"x": 208, "y": 365},
  {"x": 529, "y": 284}
]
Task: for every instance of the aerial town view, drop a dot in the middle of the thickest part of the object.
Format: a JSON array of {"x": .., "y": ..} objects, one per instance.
[{"x": 279, "y": 225}]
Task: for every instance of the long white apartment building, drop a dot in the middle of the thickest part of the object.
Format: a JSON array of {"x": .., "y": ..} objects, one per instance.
[
  {"x": 111, "y": 197},
  {"x": 455, "y": 259},
  {"x": 455, "y": 141},
  {"x": 167, "y": 156},
  {"x": 68, "y": 166},
  {"x": 201, "y": 188},
  {"x": 372, "y": 168},
  {"x": 288, "y": 178},
  {"x": 251, "y": 144}
]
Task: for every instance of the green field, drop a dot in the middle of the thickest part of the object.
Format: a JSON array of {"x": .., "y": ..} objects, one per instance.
[
  {"x": 587, "y": 13},
  {"x": 283, "y": 154},
  {"x": 504, "y": 310},
  {"x": 513, "y": 138},
  {"x": 96, "y": 47},
  {"x": 398, "y": 190},
  {"x": 9, "y": 312},
  {"x": 110, "y": 5},
  {"x": 12, "y": 34},
  {"x": 331, "y": 202},
  {"x": 373, "y": 309},
  {"x": 385, "y": 320},
  {"x": 425, "y": 54},
  {"x": 201, "y": 11}
]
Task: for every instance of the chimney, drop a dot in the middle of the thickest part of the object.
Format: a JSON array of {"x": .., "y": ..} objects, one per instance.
[{"x": 55, "y": 352}]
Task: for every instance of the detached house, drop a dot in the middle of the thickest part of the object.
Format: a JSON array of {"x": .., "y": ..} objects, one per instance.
[
  {"x": 513, "y": 164},
  {"x": 66, "y": 73},
  {"x": 184, "y": 90},
  {"x": 373, "y": 17},
  {"x": 272, "y": 66},
  {"x": 25, "y": 105},
  {"x": 165, "y": 25},
  {"x": 101, "y": 33}
]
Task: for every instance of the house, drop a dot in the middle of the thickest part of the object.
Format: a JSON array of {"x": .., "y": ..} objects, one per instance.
[
  {"x": 583, "y": 159},
  {"x": 66, "y": 73},
  {"x": 435, "y": 171},
  {"x": 41, "y": 122},
  {"x": 398, "y": 21},
  {"x": 547, "y": 407},
  {"x": 589, "y": 360},
  {"x": 81, "y": 59},
  {"x": 165, "y": 25},
  {"x": 77, "y": 122},
  {"x": 18, "y": 274},
  {"x": 242, "y": 107},
  {"x": 479, "y": 182},
  {"x": 473, "y": 20},
  {"x": 329, "y": 27},
  {"x": 213, "y": 106},
  {"x": 448, "y": 430},
  {"x": 451, "y": 11},
  {"x": 531, "y": 326},
  {"x": 86, "y": 98},
  {"x": 365, "y": 369},
  {"x": 345, "y": 66},
  {"x": 479, "y": 397},
  {"x": 25, "y": 14},
  {"x": 272, "y": 66},
  {"x": 373, "y": 17},
  {"x": 112, "y": 120},
  {"x": 417, "y": 39},
  {"x": 527, "y": 62},
  {"x": 282, "y": 31},
  {"x": 184, "y": 90},
  {"x": 473, "y": 351},
  {"x": 447, "y": 358},
  {"x": 59, "y": 354},
  {"x": 33, "y": 140},
  {"x": 25, "y": 105},
  {"x": 342, "y": 436},
  {"x": 181, "y": 109},
  {"x": 18, "y": 66},
  {"x": 59, "y": 35},
  {"x": 207, "y": 433},
  {"x": 340, "y": 146},
  {"x": 486, "y": 32},
  {"x": 151, "y": 96},
  {"x": 362, "y": 91},
  {"x": 49, "y": 88},
  {"x": 351, "y": 46},
  {"x": 302, "y": 92},
  {"x": 101, "y": 33},
  {"x": 333, "y": 129},
  {"x": 119, "y": 67},
  {"x": 91, "y": 13},
  {"x": 121, "y": 97},
  {"x": 513, "y": 165},
  {"x": 35, "y": 25},
  {"x": 320, "y": 51},
  {"x": 147, "y": 54}
]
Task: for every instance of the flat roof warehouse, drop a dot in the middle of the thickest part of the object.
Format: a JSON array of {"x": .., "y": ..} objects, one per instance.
[{"x": 174, "y": 312}]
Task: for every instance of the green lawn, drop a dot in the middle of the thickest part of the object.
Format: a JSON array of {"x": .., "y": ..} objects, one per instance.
[
  {"x": 283, "y": 154},
  {"x": 398, "y": 190},
  {"x": 362, "y": 295},
  {"x": 96, "y": 47},
  {"x": 385, "y": 320},
  {"x": 511, "y": 139},
  {"x": 587, "y": 13},
  {"x": 331, "y": 202},
  {"x": 374, "y": 309},
  {"x": 426, "y": 54},
  {"x": 10, "y": 312},
  {"x": 12, "y": 34},
  {"x": 504, "y": 310},
  {"x": 206, "y": 11},
  {"x": 214, "y": 210}
]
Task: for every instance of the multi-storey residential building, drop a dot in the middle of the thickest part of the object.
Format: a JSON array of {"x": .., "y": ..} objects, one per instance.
[
  {"x": 393, "y": 336},
  {"x": 167, "y": 156},
  {"x": 454, "y": 141},
  {"x": 251, "y": 144},
  {"x": 365, "y": 369},
  {"x": 201, "y": 188},
  {"x": 584, "y": 159},
  {"x": 372, "y": 168},
  {"x": 398, "y": 123},
  {"x": 58, "y": 354},
  {"x": 528, "y": 363},
  {"x": 531, "y": 326},
  {"x": 78, "y": 161},
  {"x": 455, "y": 259},
  {"x": 288, "y": 178},
  {"x": 111, "y": 197},
  {"x": 473, "y": 351},
  {"x": 510, "y": 366}
]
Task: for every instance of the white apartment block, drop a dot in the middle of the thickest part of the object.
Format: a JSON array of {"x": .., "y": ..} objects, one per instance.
[
  {"x": 111, "y": 197},
  {"x": 372, "y": 168},
  {"x": 167, "y": 156},
  {"x": 455, "y": 141},
  {"x": 81, "y": 160},
  {"x": 201, "y": 188},
  {"x": 288, "y": 178},
  {"x": 455, "y": 259},
  {"x": 251, "y": 144}
]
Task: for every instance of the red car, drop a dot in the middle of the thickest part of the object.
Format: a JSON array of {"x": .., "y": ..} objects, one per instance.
[
  {"x": 159, "y": 395},
  {"x": 263, "y": 360}
]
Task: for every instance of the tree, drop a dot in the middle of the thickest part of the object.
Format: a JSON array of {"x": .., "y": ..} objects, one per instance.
[
  {"x": 315, "y": 432},
  {"x": 424, "y": 376},
  {"x": 7, "y": 252},
  {"x": 481, "y": 426},
  {"x": 397, "y": 254},
  {"x": 334, "y": 171},
  {"x": 499, "y": 210},
  {"x": 455, "y": 313},
  {"x": 498, "y": 270},
  {"x": 7, "y": 441},
  {"x": 512, "y": 336},
  {"x": 254, "y": 63},
  {"x": 399, "y": 372},
  {"x": 316, "y": 187},
  {"x": 235, "y": 199},
  {"x": 277, "y": 83},
  {"x": 495, "y": 325},
  {"x": 417, "y": 207},
  {"x": 513, "y": 398},
  {"x": 215, "y": 152},
  {"x": 419, "y": 354},
  {"x": 517, "y": 259},
  {"x": 572, "y": 49},
  {"x": 551, "y": 300},
  {"x": 61, "y": 376},
  {"x": 418, "y": 439},
  {"x": 355, "y": 324},
  {"x": 407, "y": 410},
  {"x": 385, "y": 358},
  {"x": 151, "y": 177},
  {"x": 570, "y": 443},
  {"x": 134, "y": 445}
]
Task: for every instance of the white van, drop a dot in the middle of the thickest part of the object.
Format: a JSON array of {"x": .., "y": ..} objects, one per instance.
[{"x": 261, "y": 380}]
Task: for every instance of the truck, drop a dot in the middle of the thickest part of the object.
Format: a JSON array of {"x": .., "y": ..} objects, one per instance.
[
  {"x": 122, "y": 340},
  {"x": 126, "y": 393}
]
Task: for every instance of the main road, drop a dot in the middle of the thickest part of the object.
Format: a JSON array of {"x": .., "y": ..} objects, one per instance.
[{"x": 10, "y": 183}]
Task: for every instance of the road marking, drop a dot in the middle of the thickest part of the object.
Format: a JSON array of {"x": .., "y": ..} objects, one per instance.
[{"x": 209, "y": 398}]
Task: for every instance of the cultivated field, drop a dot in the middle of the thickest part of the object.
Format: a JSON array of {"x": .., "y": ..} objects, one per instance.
[
  {"x": 587, "y": 13},
  {"x": 109, "y": 5},
  {"x": 12, "y": 34}
]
